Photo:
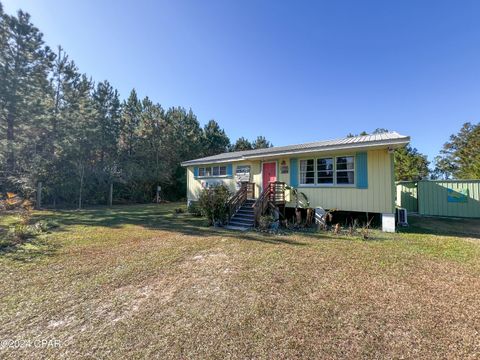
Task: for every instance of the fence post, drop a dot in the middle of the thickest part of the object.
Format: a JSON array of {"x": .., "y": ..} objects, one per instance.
[{"x": 39, "y": 195}]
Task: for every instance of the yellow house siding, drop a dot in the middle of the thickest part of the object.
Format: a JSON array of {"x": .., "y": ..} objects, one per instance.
[
  {"x": 194, "y": 185},
  {"x": 378, "y": 197}
]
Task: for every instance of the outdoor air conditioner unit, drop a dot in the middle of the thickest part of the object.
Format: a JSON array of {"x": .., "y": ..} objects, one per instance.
[{"x": 402, "y": 217}]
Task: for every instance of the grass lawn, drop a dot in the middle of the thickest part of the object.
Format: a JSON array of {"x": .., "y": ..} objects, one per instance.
[{"x": 141, "y": 281}]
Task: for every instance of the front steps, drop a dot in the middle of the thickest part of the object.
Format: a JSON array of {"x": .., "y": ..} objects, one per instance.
[{"x": 244, "y": 218}]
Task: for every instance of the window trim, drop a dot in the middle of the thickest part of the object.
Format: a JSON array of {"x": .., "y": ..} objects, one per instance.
[
  {"x": 330, "y": 185},
  {"x": 300, "y": 172},
  {"x": 211, "y": 171},
  {"x": 354, "y": 172},
  {"x": 334, "y": 158}
]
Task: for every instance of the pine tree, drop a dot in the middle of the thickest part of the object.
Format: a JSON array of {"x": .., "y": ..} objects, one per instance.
[
  {"x": 460, "y": 157},
  {"x": 64, "y": 77},
  {"x": 242, "y": 144},
  {"x": 79, "y": 146},
  {"x": 215, "y": 140},
  {"x": 107, "y": 106},
  {"x": 130, "y": 121},
  {"x": 184, "y": 140},
  {"x": 153, "y": 146},
  {"x": 56, "y": 127},
  {"x": 376, "y": 131},
  {"x": 410, "y": 165},
  {"x": 107, "y": 110},
  {"x": 261, "y": 143},
  {"x": 4, "y": 36},
  {"x": 24, "y": 76},
  {"x": 24, "y": 67}
]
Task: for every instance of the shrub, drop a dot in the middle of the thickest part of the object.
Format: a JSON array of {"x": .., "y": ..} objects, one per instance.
[
  {"x": 25, "y": 217},
  {"x": 41, "y": 226},
  {"x": 194, "y": 209},
  {"x": 11, "y": 201},
  {"x": 213, "y": 204},
  {"x": 21, "y": 232},
  {"x": 265, "y": 222}
]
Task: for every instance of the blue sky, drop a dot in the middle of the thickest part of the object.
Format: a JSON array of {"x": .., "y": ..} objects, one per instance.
[{"x": 291, "y": 71}]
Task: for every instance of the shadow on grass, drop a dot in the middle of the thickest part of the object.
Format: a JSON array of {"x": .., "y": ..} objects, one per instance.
[
  {"x": 29, "y": 250},
  {"x": 467, "y": 228},
  {"x": 151, "y": 216},
  {"x": 163, "y": 217}
]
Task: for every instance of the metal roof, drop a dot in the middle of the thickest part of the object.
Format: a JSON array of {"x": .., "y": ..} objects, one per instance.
[{"x": 383, "y": 139}]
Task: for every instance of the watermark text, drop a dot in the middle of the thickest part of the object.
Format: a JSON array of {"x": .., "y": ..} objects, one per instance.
[{"x": 29, "y": 343}]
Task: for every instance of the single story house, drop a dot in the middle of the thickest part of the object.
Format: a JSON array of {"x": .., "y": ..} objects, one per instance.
[{"x": 353, "y": 174}]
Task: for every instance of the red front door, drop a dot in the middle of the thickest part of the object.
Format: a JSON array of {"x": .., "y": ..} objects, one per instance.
[{"x": 269, "y": 173}]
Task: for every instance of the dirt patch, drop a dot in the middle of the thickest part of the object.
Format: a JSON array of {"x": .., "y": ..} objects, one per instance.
[{"x": 117, "y": 289}]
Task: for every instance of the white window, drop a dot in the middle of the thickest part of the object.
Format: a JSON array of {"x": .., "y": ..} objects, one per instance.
[
  {"x": 212, "y": 171},
  {"x": 307, "y": 172},
  {"x": 325, "y": 171},
  {"x": 345, "y": 170},
  {"x": 338, "y": 170}
]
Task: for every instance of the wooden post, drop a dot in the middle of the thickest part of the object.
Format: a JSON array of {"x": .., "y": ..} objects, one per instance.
[
  {"x": 39, "y": 195},
  {"x": 158, "y": 194},
  {"x": 110, "y": 195}
]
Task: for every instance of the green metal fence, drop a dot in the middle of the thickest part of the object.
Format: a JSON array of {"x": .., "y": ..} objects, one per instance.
[
  {"x": 407, "y": 195},
  {"x": 455, "y": 198}
]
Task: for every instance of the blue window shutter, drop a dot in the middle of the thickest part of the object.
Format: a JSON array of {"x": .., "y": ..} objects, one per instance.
[
  {"x": 195, "y": 171},
  {"x": 229, "y": 170},
  {"x": 293, "y": 172},
  {"x": 361, "y": 168}
]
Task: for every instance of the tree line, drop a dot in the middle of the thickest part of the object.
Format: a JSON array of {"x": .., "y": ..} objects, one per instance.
[
  {"x": 459, "y": 157},
  {"x": 59, "y": 127},
  {"x": 77, "y": 136}
]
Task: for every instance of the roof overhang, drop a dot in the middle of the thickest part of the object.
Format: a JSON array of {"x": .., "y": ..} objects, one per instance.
[{"x": 379, "y": 144}]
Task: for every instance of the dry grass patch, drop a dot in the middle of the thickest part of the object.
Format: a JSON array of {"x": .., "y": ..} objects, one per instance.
[{"x": 142, "y": 282}]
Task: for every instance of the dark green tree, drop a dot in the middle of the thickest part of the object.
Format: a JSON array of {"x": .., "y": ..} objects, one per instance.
[
  {"x": 460, "y": 156},
  {"x": 215, "y": 141},
  {"x": 184, "y": 134},
  {"x": 64, "y": 77},
  {"x": 107, "y": 106},
  {"x": 242, "y": 144},
  {"x": 153, "y": 145},
  {"x": 83, "y": 132},
  {"x": 363, "y": 133},
  {"x": 410, "y": 165},
  {"x": 261, "y": 143},
  {"x": 107, "y": 111},
  {"x": 25, "y": 63},
  {"x": 58, "y": 128},
  {"x": 130, "y": 121},
  {"x": 377, "y": 131},
  {"x": 4, "y": 57}
]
